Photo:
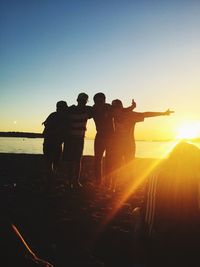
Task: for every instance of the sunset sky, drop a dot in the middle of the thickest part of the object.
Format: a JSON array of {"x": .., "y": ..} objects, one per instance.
[{"x": 146, "y": 50}]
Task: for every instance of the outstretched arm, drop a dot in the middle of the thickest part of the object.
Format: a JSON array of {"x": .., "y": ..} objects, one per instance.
[{"x": 155, "y": 114}]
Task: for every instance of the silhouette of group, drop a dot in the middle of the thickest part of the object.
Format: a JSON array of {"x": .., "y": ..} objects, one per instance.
[
  {"x": 166, "y": 228},
  {"x": 114, "y": 136}
]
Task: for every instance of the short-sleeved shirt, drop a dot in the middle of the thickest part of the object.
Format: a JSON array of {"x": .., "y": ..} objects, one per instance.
[
  {"x": 78, "y": 117},
  {"x": 55, "y": 126},
  {"x": 54, "y": 132},
  {"x": 125, "y": 123}
]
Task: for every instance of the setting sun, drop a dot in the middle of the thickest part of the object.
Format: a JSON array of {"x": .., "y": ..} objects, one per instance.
[{"x": 188, "y": 130}]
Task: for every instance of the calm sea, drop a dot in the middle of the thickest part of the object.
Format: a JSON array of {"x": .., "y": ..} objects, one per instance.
[{"x": 144, "y": 149}]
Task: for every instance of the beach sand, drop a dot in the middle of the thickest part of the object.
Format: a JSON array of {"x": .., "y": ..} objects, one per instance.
[{"x": 89, "y": 226}]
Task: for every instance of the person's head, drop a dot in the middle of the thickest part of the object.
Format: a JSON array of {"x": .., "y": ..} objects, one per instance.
[
  {"x": 82, "y": 99},
  {"x": 61, "y": 105},
  {"x": 117, "y": 104},
  {"x": 177, "y": 181},
  {"x": 186, "y": 157},
  {"x": 99, "y": 98},
  {"x": 181, "y": 168}
]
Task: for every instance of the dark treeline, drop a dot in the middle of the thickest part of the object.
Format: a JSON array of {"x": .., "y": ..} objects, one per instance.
[{"x": 20, "y": 134}]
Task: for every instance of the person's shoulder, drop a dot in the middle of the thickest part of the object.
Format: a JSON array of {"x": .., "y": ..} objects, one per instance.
[
  {"x": 89, "y": 108},
  {"x": 90, "y": 111},
  {"x": 50, "y": 119},
  {"x": 71, "y": 108},
  {"x": 108, "y": 105},
  {"x": 51, "y": 116}
]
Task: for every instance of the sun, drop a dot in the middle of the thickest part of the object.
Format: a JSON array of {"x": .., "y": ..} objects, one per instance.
[{"x": 188, "y": 130}]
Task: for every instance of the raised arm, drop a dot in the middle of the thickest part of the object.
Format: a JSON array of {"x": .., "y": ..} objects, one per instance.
[
  {"x": 131, "y": 107},
  {"x": 155, "y": 114}
]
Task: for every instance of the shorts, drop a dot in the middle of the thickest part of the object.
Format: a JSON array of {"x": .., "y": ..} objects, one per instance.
[{"x": 73, "y": 148}]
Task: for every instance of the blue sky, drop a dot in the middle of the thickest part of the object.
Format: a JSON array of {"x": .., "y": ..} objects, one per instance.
[{"x": 53, "y": 50}]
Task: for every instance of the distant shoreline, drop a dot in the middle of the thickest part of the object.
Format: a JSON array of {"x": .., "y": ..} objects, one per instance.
[
  {"x": 40, "y": 135},
  {"x": 21, "y": 134}
]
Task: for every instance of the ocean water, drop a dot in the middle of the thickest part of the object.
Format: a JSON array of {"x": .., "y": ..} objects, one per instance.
[{"x": 144, "y": 149}]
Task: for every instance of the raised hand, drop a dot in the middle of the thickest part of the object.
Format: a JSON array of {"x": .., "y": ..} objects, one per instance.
[
  {"x": 168, "y": 112},
  {"x": 133, "y": 104}
]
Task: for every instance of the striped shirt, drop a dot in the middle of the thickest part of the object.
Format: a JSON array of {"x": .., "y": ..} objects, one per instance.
[{"x": 78, "y": 117}]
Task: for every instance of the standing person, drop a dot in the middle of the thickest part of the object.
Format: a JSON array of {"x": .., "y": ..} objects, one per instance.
[
  {"x": 74, "y": 140},
  {"x": 125, "y": 122},
  {"x": 103, "y": 117},
  {"x": 124, "y": 147},
  {"x": 53, "y": 139}
]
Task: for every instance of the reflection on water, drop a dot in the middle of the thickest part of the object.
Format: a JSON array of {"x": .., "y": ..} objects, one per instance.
[{"x": 144, "y": 149}]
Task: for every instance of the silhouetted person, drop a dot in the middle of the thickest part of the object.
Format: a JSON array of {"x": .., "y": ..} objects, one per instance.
[
  {"x": 54, "y": 131},
  {"x": 171, "y": 209},
  {"x": 74, "y": 140},
  {"x": 14, "y": 249},
  {"x": 103, "y": 116},
  {"x": 124, "y": 140},
  {"x": 125, "y": 122}
]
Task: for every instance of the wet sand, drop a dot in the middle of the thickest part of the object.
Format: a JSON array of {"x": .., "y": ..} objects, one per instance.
[{"x": 89, "y": 226}]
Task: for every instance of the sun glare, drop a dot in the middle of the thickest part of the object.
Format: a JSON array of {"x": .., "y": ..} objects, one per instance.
[{"x": 188, "y": 130}]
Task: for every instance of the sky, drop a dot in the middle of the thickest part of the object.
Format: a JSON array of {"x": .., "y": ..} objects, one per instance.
[{"x": 128, "y": 49}]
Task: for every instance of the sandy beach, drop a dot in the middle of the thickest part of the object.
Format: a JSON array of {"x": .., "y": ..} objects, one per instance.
[{"x": 89, "y": 226}]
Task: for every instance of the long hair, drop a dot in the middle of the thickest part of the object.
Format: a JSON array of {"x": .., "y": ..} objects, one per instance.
[
  {"x": 178, "y": 184},
  {"x": 173, "y": 191}
]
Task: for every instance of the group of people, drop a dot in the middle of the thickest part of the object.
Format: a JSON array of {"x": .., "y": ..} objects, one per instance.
[
  {"x": 65, "y": 129},
  {"x": 166, "y": 226}
]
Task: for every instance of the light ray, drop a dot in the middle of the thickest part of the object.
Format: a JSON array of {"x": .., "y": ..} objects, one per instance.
[{"x": 134, "y": 186}]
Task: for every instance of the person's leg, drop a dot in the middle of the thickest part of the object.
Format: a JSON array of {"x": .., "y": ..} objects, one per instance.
[
  {"x": 77, "y": 160},
  {"x": 57, "y": 158},
  {"x": 73, "y": 173},
  {"x": 67, "y": 160},
  {"x": 73, "y": 154},
  {"x": 109, "y": 162},
  {"x": 129, "y": 158},
  {"x": 48, "y": 156},
  {"x": 115, "y": 160},
  {"x": 99, "y": 148},
  {"x": 74, "y": 169},
  {"x": 54, "y": 163},
  {"x": 129, "y": 149}
]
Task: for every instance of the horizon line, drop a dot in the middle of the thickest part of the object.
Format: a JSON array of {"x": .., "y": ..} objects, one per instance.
[{"x": 39, "y": 135}]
